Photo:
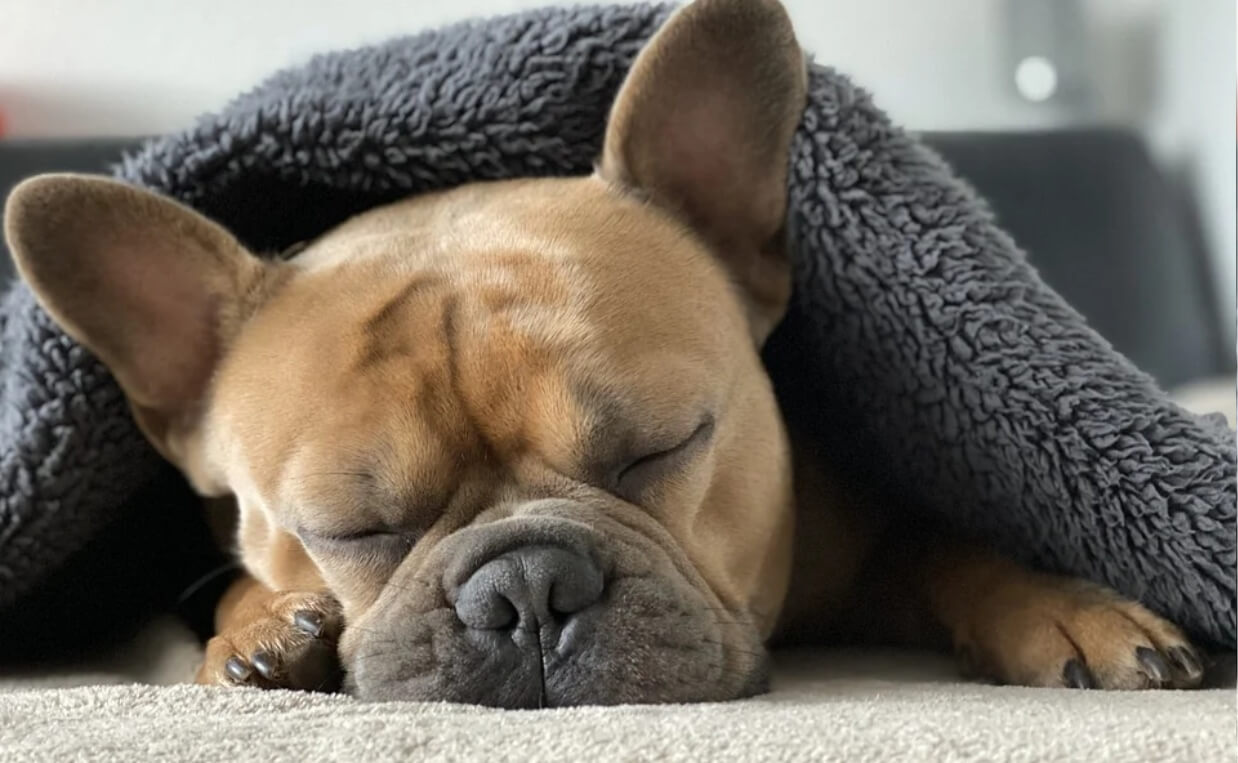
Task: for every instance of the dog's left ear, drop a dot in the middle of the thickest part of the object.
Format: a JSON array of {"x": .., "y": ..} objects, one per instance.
[
  {"x": 703, "y": 126},
  {"x": 155, "y": 290}
]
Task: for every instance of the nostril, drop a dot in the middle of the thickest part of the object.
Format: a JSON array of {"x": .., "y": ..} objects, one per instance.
[
  {"x": 576, "y": 591},
  {"x": 528, "y": 588},
  {"x": 495, "y": 612},
  {"x": 485, "y": 602}
]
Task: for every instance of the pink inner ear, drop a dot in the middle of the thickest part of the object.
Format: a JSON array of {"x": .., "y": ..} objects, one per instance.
[
  {"x": 700, "y": 142},
  {"x": 698, "y": 161},
  {"x": 167, "y": 321},
  {"x": 702, "y": 163}
]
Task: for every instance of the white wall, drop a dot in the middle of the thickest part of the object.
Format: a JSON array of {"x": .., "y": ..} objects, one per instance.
[
  {"x": 71, "y": 67},
  {"x": 1194, "y": 123},
  {"x": 83, "y": 67}
]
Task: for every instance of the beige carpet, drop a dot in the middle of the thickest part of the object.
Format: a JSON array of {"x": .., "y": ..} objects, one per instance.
[{"x": 826, "y": 706}]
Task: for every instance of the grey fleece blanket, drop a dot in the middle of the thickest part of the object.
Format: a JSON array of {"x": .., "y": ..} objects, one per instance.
[{"x": 919, "y": 337}]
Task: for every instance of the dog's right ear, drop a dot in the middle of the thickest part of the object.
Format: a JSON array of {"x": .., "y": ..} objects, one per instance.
[
  {"x": 155, "y": 290},
  {"x": 702, "y": 126}
]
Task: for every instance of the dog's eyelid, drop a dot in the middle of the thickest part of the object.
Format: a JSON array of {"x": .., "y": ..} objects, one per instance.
[
  {"x": 357, "y": 536},
  {"x": 698, "y": 434},
  {"x": 654, "y": 459},
  {"x": 361, "y": 535}
]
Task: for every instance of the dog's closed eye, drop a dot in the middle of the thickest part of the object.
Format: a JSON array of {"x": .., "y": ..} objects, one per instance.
[
  {"x": 380, "y": 545},
  {"x": 638, "y": 475}
]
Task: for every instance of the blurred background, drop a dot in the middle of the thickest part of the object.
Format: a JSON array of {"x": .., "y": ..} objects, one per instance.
[{"x": 1102, "y": 131}]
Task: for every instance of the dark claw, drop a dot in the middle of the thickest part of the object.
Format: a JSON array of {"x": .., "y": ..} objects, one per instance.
[
  {"x": 308, "y": 622},
  {"x": 1185, "y": 659},
  {"x": 237, "y": 668},
  {"x": 264, "y": 663},
  {"x": 1153, "y": 664},
  {"x": 1077, "y": 676}
]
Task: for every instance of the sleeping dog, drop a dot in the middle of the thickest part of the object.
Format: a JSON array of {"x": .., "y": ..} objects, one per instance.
[{"x": 513, "y": 443}]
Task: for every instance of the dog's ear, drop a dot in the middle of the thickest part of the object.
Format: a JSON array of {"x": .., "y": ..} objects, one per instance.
[
  {"x": 152, "y": 288},
  {"x": 703, "y": 126}
]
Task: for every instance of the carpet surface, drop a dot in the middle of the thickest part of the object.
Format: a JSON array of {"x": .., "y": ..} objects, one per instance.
[{"x": 825, "y": 706}]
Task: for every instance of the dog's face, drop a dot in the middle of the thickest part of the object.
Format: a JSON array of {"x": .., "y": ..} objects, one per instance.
[
  {"x": 520, "y": 430},
  {"x": 515, "y": 375}
]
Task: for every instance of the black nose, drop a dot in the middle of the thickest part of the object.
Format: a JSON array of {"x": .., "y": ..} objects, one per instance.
[{"x": 528, "y": 588}]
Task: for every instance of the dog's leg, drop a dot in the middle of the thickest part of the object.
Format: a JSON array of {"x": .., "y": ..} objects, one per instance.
[
  {"x": 273, "y": 639},
  {"x": 1013, "y": 625}
]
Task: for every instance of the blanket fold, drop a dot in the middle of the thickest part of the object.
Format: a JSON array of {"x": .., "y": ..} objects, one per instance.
[{"x": 920, "y": 342}]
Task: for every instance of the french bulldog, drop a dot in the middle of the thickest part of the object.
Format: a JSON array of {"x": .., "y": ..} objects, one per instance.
[{"x": 513, "y": 444}]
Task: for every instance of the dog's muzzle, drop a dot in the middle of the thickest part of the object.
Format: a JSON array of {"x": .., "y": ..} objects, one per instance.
[{"x": 540, "y": 609}]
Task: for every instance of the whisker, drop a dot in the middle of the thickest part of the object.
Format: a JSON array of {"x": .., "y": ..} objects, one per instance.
[
  {"x": 196, "y": 585},
  {"x": 363, "y": 629}
]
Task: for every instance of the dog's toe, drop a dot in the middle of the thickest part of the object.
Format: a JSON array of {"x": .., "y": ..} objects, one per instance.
[
  {"x": 1186, "y": 664},
  {"x": 309, "y": 665},
  {"x": 309, "y": 621},
  {"x": 292, "y": 646},
  {"x": 1079, "y": 636},
  {"x": 238, "y": 669},
  {"x": 1077, "y": 676}
]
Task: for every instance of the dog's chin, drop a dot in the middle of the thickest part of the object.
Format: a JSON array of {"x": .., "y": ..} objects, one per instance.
[{"x": 645, "y": 642}]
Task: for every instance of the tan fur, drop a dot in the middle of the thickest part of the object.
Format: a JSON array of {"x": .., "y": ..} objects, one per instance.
[{"x": 429, "y": 363}]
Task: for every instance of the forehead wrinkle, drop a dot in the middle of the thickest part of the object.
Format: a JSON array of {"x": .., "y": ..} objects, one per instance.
[
  {"x": 450, "y": 328},
  {"x": 385, "y": 314},
  {"x": 489, "y": 317},
  {"x": 509, "y": 366}
]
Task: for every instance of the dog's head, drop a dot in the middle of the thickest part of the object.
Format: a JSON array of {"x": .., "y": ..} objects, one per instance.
[{"x": 520, "y": 429}]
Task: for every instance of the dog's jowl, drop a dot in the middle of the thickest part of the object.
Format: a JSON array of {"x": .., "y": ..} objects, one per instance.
[{"x": 513, "y": 443}]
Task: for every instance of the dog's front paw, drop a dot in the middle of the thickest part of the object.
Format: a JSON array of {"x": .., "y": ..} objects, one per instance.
[
  {"x": 1060, "y": 632},
  {"x": 290, "y": 645}
]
